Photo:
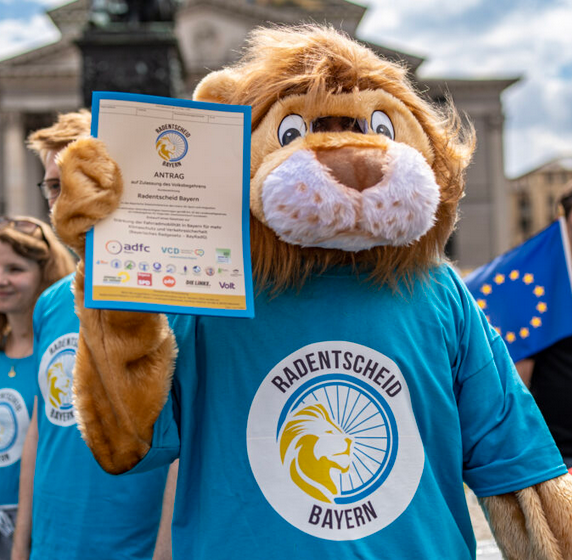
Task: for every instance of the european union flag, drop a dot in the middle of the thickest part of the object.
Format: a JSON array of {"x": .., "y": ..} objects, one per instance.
[{"x": 526, "y": 293}]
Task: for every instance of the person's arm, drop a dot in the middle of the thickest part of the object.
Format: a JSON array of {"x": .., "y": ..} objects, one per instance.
[
  {"x": 163, "y": 550},
  {"x": 23, "y": 532},
  {"x": 525, "y": 368}
]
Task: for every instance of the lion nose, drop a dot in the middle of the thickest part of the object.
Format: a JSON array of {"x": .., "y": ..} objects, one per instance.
[{"x": 356, "y": 168}]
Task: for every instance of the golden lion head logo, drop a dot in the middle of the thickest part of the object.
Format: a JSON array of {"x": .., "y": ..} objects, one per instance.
[
  {"x": 59, "y": 386},
  {"x": 165, "y": 148},
  {"x": 313, "y": 445}
]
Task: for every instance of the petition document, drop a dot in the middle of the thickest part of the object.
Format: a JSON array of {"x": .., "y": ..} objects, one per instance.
[{"x": 179, "y": 241}]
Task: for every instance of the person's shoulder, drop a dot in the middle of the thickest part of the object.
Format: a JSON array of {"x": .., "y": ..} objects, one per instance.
[
  {"x": 444, "y": 278},
  {"x": 445, "y": 287},
  {"x": 61, "y": 289}
]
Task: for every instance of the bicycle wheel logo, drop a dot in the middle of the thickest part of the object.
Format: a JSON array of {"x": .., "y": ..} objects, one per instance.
[
  {"x": 326, "y": 437},
  {"x": 55, "y": 377},
  {"x": 14, "y": 422},
  {"x": 338, "y": 439},
  {"x": 171, "y": 146}
]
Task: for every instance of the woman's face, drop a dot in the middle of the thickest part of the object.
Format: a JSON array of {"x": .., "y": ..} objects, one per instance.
[{"x": 20, "y": 280}]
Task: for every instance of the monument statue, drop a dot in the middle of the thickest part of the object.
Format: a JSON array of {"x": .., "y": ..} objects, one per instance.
[
  {"x": 130, "y": 46},
  {"x": 133, "y": 12}
]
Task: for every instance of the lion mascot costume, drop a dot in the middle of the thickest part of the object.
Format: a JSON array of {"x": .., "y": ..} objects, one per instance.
[{"x": 344, "y": 419}]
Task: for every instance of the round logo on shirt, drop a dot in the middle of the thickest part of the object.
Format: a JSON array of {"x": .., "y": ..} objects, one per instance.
[
  {"x": 332, "y": 440},
  {"x": 14, "y": 422},
  {"x": 55, "y": 377}
]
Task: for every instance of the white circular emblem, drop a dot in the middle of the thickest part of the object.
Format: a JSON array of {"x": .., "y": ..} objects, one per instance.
[
  {"x": 55, "y": 377},
  {"x": 333, "y": 442},
  {"x": 14, "y": 422}
]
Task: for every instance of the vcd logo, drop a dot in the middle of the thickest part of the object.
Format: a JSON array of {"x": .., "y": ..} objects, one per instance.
[
  {"x": 171, "y": 250},
  {"x": 227, "y": 285}
]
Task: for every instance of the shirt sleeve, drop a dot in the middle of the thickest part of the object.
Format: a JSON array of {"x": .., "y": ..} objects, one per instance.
[
  {"x": 37, "y": 328},
  {"x": 166, "y": 444},
  {"x": 506, "y": 443}
]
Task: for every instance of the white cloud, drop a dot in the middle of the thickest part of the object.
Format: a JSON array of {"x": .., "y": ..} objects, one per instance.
[
  {"x": 524, "y": 40},
  {"x": 528, "y": 148},
  {"x": 52, "y": 3},
  {"x": 46, "y": 3},
  {"x": 17, "y": 36}
]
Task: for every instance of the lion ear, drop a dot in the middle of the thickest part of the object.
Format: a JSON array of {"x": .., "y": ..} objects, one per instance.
[{"x": 217, "y": 87}]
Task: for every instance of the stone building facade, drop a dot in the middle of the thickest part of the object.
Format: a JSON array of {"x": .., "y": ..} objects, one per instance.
[
  {"x": 533, "y": 199},
  {"x": 37, "y": 85}
]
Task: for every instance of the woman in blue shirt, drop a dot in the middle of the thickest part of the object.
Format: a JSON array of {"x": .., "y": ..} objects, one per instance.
[{"x": 31, "y": 259}]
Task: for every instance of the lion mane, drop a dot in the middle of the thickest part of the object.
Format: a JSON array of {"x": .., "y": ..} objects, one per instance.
[
  {"x": 318, "y": 63},
  {"x": 298, "y": 443}
]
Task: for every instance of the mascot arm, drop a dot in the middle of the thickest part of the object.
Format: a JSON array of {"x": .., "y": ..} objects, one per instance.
[
  {"x": 534, "y": 523},
  {"x": 125, "y": 360}
]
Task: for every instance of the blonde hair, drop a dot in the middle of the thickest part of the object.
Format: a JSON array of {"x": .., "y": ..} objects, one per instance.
[
  {"x": 43, "y": 247},
  {"x": 68, "y": 127}
]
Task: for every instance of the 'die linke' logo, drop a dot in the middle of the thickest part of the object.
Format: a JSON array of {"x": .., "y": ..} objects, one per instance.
[{"x": 171, "y": 144}]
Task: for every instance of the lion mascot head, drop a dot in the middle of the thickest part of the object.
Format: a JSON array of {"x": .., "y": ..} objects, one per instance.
[
  {"x": 350, "y": 166},
  {"x": 311, "y": 446}
]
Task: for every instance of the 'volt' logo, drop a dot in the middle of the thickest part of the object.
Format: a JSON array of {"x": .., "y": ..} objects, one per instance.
[{"x": 227, "y": 285}]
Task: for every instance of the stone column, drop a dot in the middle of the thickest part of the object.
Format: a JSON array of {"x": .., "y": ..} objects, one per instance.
[
  {"x": 499, "y": 187},
  {"x": 14, "y": 164}
]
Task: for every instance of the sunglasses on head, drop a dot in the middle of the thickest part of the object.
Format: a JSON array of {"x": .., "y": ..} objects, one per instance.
[{"x": 23, "y": 226}]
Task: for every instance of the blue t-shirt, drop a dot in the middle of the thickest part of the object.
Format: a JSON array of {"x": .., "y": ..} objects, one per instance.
[
  {"x": 17, "y": 390},
  {"x": 79, "y": 511},
  {"x": 341, "y": 422}
]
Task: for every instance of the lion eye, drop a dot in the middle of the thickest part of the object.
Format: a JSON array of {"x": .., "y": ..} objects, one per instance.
[
  {"x": 381, "y": 124},
  {"x": 291, "y": 127}
]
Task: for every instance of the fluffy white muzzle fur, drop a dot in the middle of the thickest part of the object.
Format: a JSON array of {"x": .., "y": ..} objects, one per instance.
[{"x": 305, "y": 205}]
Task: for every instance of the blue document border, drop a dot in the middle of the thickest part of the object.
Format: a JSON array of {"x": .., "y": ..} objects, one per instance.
[{"x": 90, "y": 303}]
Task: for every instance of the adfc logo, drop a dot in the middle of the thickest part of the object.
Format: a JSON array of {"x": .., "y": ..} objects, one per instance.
[
  {"x": 56, "y": 379},
  {"x": 171, "y": 145},
  {"x": 14, "y": 422},
  {"x": 114, "y": 247},
  {"x": 332, "y": 441}
]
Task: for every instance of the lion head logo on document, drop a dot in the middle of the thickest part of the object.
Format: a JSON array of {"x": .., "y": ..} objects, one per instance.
[
  {"x": 55, "y": 377},
  {"x": 172, "y": 144}
]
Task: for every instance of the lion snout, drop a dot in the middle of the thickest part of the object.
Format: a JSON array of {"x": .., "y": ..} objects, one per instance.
[{"x": 353, "y": 167}]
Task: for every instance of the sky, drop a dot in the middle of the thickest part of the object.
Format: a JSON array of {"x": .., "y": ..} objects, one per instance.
[{"x": 530, "y": 39}]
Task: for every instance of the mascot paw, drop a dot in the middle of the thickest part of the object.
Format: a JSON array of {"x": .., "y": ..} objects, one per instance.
[{"x": 91, "y": 190}]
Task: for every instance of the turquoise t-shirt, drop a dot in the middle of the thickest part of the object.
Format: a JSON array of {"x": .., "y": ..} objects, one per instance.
[
  {"x": 341, "y": 423},
  {"x": 17, "y": 390},
  {"x": 80, "y": 512}
]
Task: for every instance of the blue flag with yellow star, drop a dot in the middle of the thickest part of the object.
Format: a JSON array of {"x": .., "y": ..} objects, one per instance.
[{"x": 526, "y": 293}]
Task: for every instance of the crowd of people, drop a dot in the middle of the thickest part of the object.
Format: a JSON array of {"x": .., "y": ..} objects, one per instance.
[{"x": 69, "y": 508}]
